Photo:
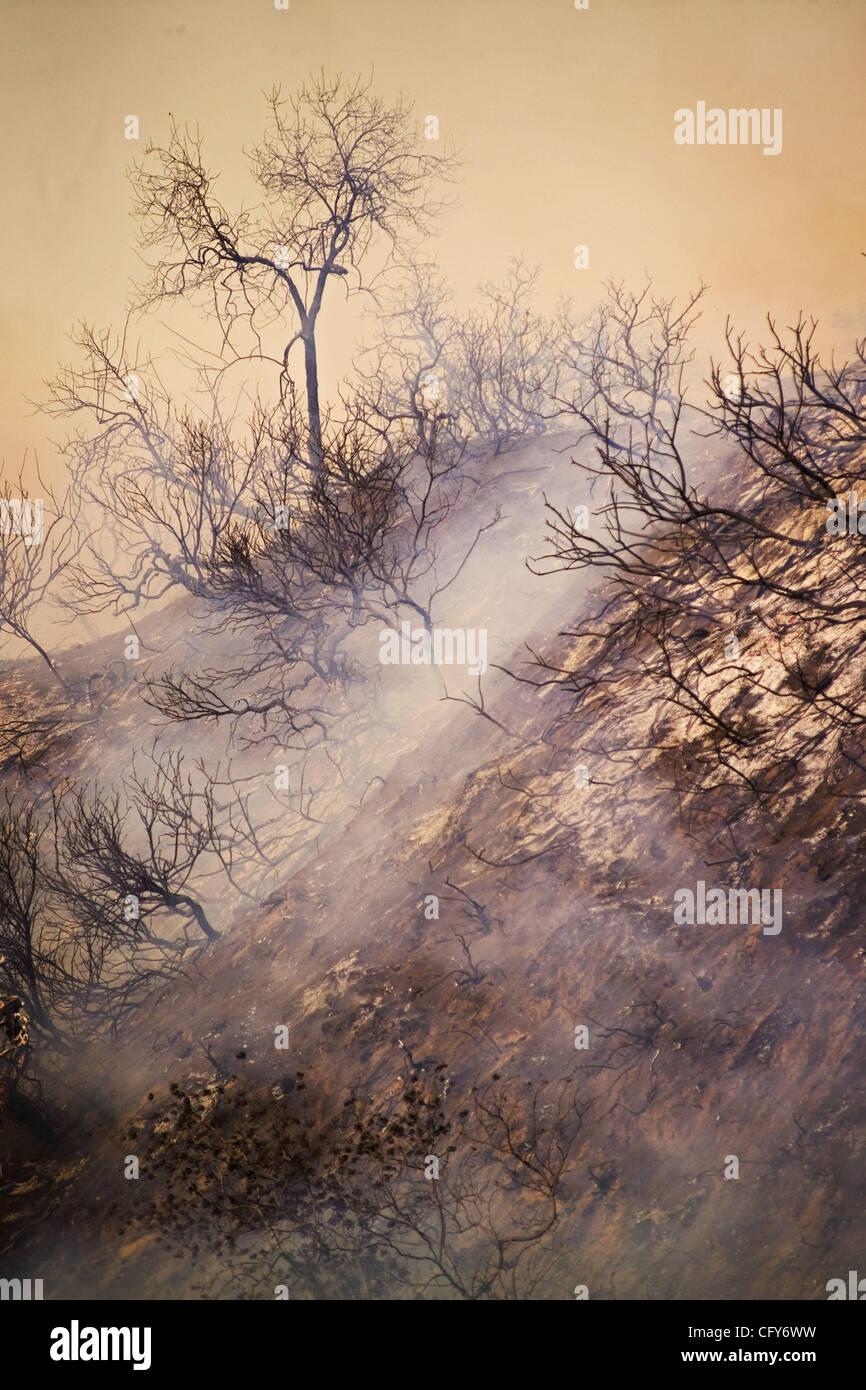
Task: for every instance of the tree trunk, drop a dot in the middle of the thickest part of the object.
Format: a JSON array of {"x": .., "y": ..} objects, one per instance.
[
  {"x": 314, "y": 418},
  {"x": 176, "y": 900}
]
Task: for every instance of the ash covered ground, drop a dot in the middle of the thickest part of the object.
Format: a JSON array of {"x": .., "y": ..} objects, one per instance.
[{"x": 473, "y": 949}]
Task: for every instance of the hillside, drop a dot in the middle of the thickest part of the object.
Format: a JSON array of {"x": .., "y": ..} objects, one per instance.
[{"x": 412, "y": 1034}]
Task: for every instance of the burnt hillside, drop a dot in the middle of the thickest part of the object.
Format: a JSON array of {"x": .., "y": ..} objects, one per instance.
[{"x": 455, "y": 905}]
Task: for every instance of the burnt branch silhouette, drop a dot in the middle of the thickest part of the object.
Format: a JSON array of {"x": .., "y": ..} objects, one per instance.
[{"x": 339, "y": 169}]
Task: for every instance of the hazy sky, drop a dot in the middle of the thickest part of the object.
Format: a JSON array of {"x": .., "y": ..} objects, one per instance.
[{"x": 565, "y": 118}]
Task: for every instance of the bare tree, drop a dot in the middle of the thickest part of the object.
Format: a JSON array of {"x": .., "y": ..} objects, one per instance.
[
  {"x": 714, "y": 597},
  {"x": 38, "y": 543},
  {"x": 338, "y": 167},
  {"x": 30, "y": 963},
  {"x": 71, "y": 950},
  {"x": 150, "y": 860},
  {"x": 798, "y": 419},
  {"x": 509, "y": 363},
  {"x": 358, "y": 541},
  {"x": 479, "y": 382},
  {"x": 158, "y": 490}
]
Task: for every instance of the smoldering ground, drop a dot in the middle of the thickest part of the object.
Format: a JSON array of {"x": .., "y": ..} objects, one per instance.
[{"x": 553, "y": 912}]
